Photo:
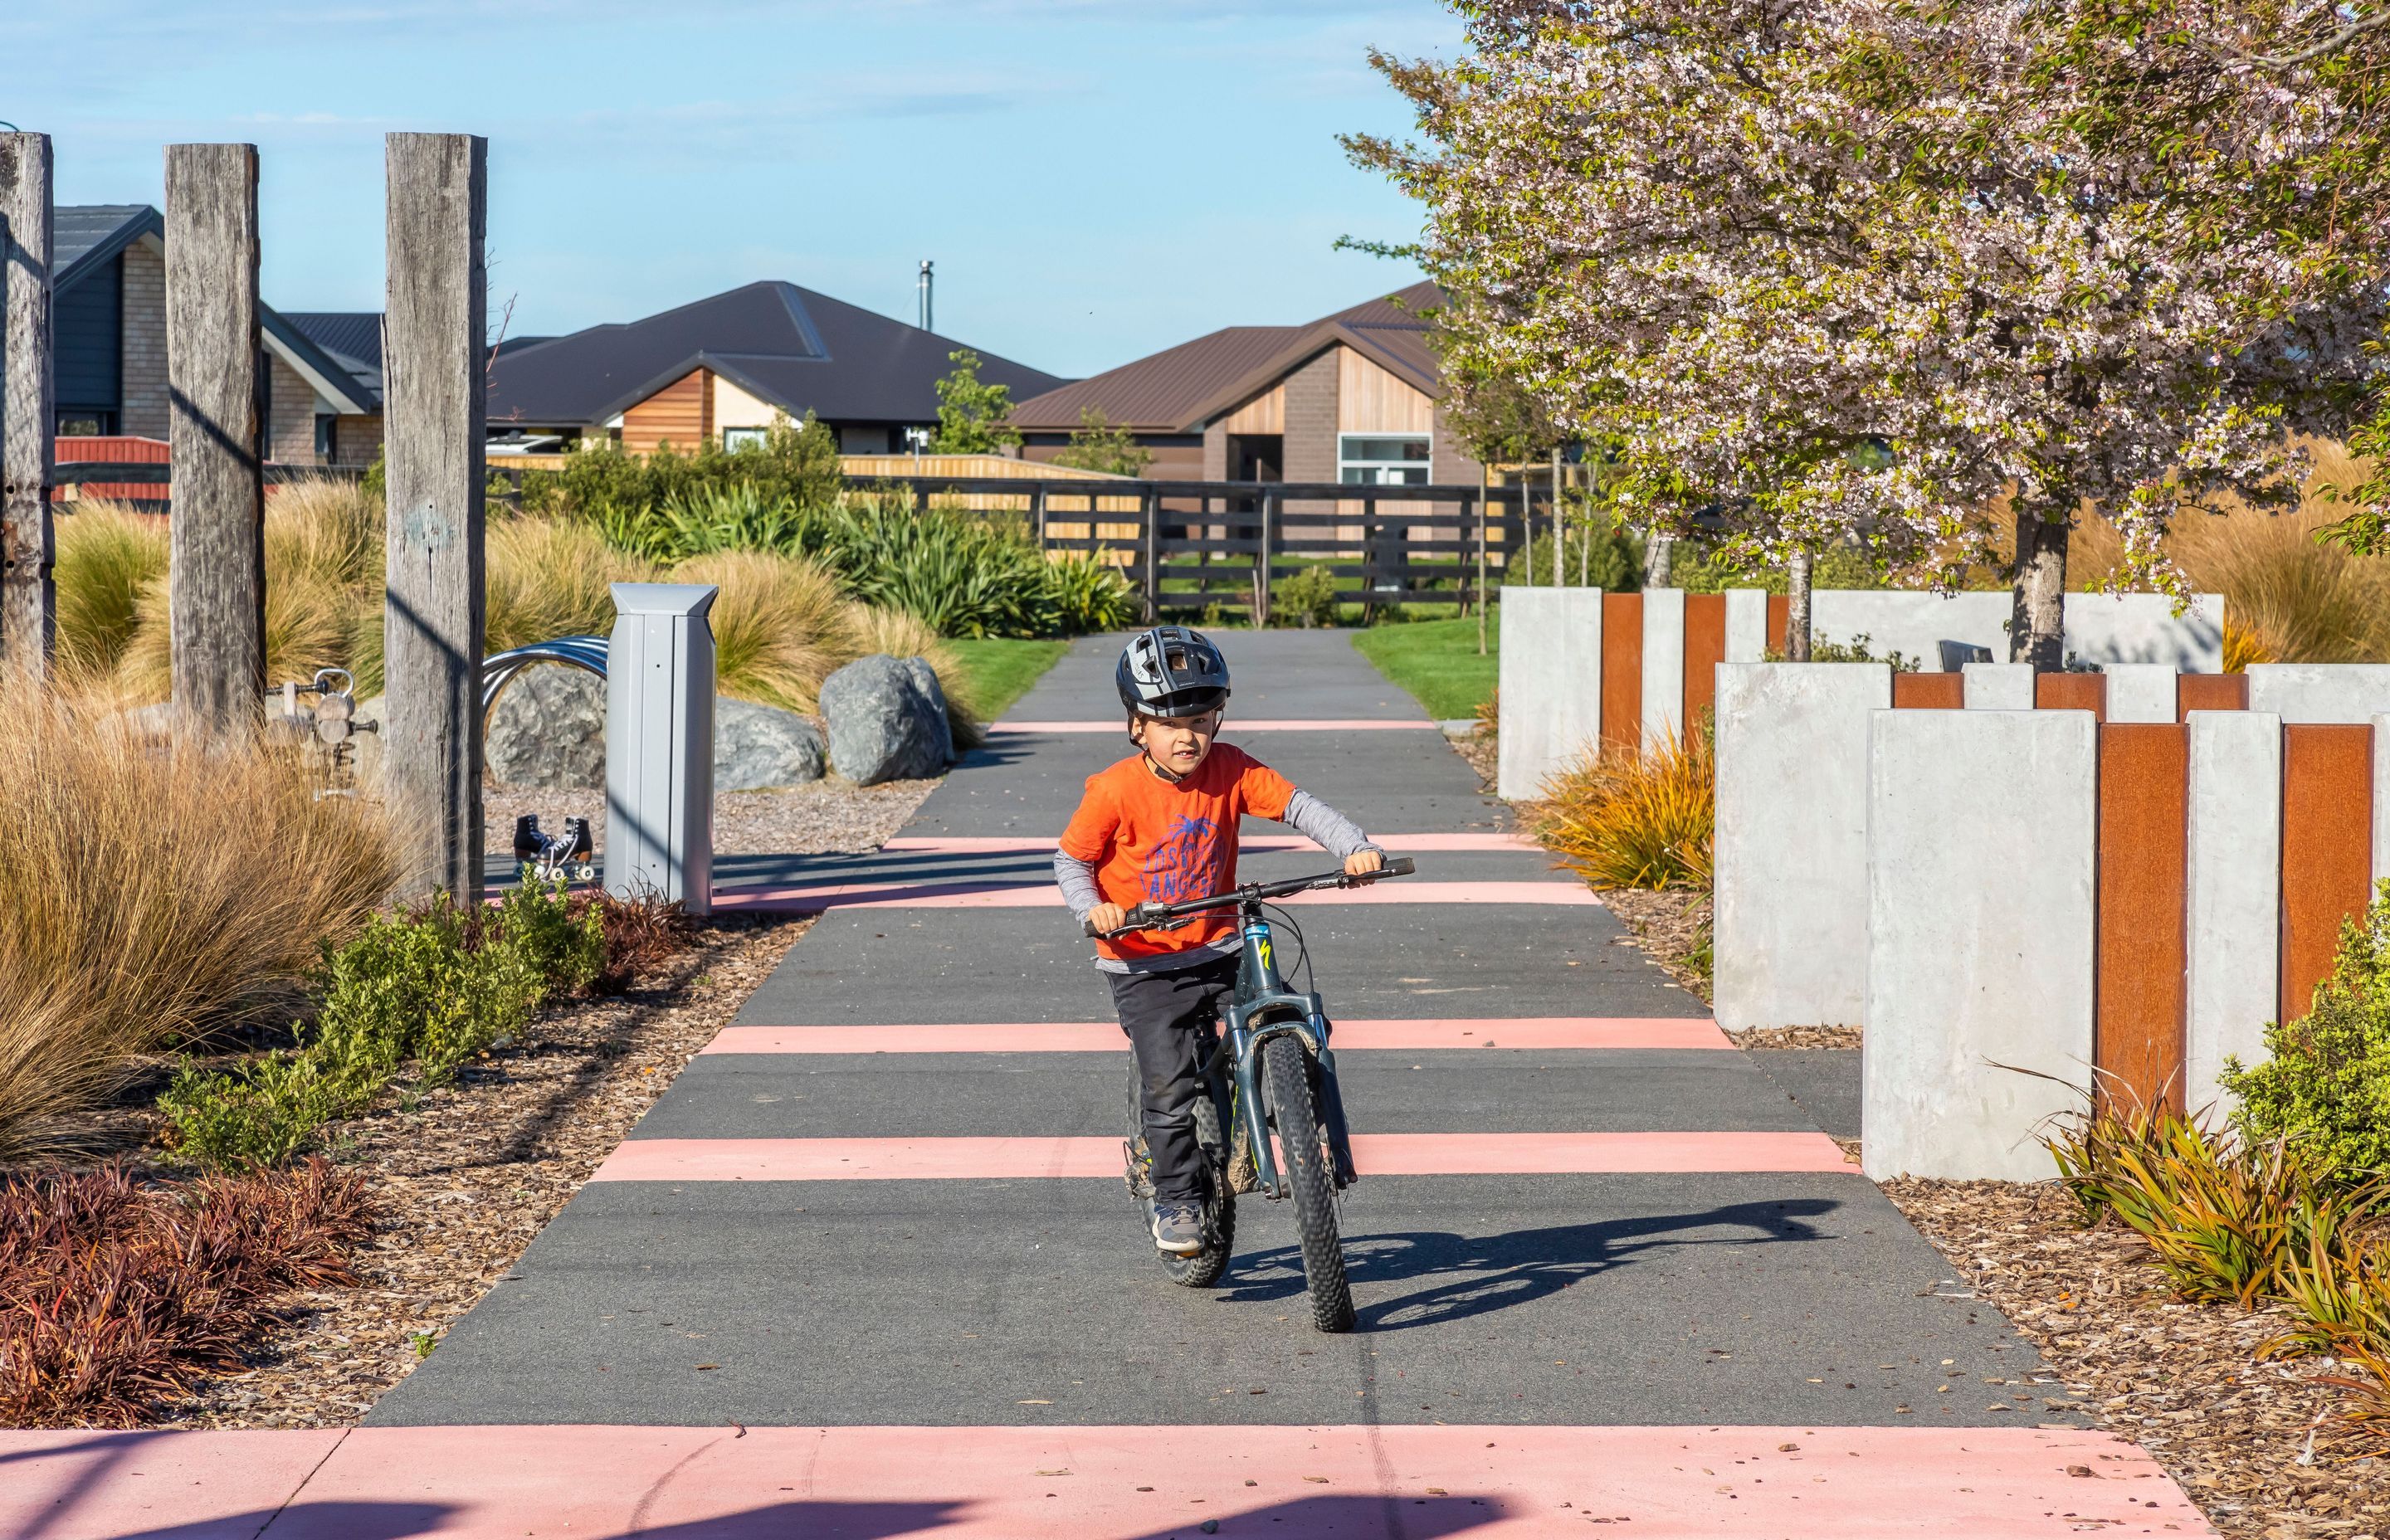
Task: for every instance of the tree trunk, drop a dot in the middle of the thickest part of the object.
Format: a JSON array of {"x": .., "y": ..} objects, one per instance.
[
  {"x": 2037, "y": 618},
  {"x": 1659, "y": 559},
  {"x": 1796, "y": 606}
]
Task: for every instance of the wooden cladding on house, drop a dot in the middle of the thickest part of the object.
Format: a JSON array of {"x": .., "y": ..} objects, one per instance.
[
  {"x": 1369, "y": 400},
  {"x": 680, "y": 415},
  {"x": 1263, "y": 414}
]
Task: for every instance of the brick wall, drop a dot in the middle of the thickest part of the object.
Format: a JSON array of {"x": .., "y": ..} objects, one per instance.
[
  {"x": 143, "y": 412},
  {"x": 1311, "y": 424},
  {"x": 1215, "y": 451},
  {"x": 356, "y": 440},
  {"x": 290, "y": 414}
]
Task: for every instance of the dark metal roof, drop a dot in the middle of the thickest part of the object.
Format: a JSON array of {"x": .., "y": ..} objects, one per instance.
[
  {"x": 797, "y": 349},
  {"x": 1177, "y": 390},
  {"x": 349, "y": 338},
  {"x": 83, "y": 235}
]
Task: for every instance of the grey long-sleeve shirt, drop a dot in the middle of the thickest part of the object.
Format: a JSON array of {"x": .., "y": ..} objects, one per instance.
[{"x": 1306, "y": 814}]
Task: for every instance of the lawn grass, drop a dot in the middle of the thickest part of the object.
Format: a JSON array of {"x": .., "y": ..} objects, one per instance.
[
  {"x": 998, "y": 671},
  {"x": 1437, "y": 660}
]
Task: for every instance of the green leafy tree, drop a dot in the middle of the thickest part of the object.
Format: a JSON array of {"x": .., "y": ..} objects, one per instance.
[
  {"x": 971, "y": 412},
  {"x": 1098, "y": 444}
]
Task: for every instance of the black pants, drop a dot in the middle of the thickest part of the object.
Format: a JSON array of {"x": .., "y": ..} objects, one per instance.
[{"x": 1166, "y": 1016}]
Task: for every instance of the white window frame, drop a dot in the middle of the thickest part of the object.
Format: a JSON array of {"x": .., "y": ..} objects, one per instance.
[
  {"x": 736, "y": 438},
  {"x": 1381, "y": 472}
]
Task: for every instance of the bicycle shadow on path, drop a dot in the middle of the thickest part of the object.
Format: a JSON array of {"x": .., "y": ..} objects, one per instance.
[{"x": 1499, "y": 1272}]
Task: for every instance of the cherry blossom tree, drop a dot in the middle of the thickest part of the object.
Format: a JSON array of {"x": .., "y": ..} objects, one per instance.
[{"x": 1850, "y": 269}]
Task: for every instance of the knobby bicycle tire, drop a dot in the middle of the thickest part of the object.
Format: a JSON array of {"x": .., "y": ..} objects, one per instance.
[
  {"x": 1203, "y": 1269},
  {"x": 1286, "y": 1070}
]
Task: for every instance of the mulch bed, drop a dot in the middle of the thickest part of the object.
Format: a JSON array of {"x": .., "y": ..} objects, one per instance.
[
  {"x": 828, "y": 814},
  {"x": 1797, "y": 1037},
  {"x": 462, "y": 1177},
  {"x": 2259, "y": 1447},
  {"x": 1667, "y": 926}
]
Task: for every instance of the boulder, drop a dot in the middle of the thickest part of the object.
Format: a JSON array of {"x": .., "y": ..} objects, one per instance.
[
  {"x": 756, "y": 746},
  {"x": 887, "y": 720},
  {"x": 549, "y": 729}
]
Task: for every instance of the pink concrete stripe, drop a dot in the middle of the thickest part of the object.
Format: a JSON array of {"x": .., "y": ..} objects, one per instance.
[
  {"x": 1401, "y": 844},
  {"x": 1557, "y": 1032},
  {"x": 1074, "y": 1483},
  {"x": 1379, "y": 1154},
  {"x": 1238, "y": 725},
  {"x": 1045, "y": 895}
]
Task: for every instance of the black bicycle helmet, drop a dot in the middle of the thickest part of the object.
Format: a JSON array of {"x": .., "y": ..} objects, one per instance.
[{"x": 1173, "y": 673}]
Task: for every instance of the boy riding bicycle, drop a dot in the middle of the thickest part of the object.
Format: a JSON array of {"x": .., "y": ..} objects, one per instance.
[{"x": 1159, "y": 826}]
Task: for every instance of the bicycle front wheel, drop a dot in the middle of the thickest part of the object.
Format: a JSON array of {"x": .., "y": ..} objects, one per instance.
[{"x": 1287, "y": 1074}]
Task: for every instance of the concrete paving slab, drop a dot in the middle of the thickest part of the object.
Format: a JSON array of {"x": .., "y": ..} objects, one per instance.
[
  {"x": 1496, "y": 1090},
  {"x": 211, "y": 1484},
  {"x": 1354, "y": 1481},
  {"x": 1643, "y": 1299}
]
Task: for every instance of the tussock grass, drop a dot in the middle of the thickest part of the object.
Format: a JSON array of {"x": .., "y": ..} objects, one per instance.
[
  {"x": 106, "y": 556},
  {"x": 150, "y": 894},
  {"x": 1624, "y": 820},
  {"x": 780, "y": 626}
]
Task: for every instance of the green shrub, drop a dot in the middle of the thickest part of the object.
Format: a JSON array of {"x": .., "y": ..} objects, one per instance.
[
  {"x": 2327, "y": 1084},
  {"x": 1698, "y": 567},
  {"x": 1858, "y": 649},
  {"x": 1091, "y": 595},
  {"x": 796, "y": 463},
  {"x": 436, "y": 986},
  {"x": 1602, "y": 554},
  {"x": 1308, "y": 599}
]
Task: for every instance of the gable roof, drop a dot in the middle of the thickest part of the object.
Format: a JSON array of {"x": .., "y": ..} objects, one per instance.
[
  {"x": 1180, "y": 390},
  {"x": 800, "y": 350},
  {"x": 84, "y": 237},
  {"x": 349, "y": 338}
]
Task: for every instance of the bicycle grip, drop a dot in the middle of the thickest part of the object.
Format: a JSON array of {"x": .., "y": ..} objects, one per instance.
[{"x": 1401, "y": 866}]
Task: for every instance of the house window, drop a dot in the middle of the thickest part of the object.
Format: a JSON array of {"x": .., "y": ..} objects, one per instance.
[
  {"x": 76, "y": 423},
  {"x": 1382, "y": 459},
  {"x": 737, "y": 439}
]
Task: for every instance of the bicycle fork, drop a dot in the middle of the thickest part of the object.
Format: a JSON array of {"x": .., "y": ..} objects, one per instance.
[{"x": 1264, "y": 1008}]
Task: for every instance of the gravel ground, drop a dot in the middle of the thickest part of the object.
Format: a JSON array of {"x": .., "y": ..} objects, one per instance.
[
  {"x": 828, "y": 815},
  {"x": 463, "y": 1177},
  {"x": 2259, "y": 1447}
]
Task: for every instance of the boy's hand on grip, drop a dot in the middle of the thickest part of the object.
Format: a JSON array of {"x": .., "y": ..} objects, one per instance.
[
  {"x": 1106, "y": 917},
  {"x": 1364, "y": 863}
]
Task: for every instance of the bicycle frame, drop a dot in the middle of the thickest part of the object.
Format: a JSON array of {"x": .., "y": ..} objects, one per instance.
[{"x": 1263, "y": 1008}]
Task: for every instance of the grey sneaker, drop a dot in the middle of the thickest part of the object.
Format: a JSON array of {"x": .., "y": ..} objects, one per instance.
[{"x": 1178, "y": 1227}]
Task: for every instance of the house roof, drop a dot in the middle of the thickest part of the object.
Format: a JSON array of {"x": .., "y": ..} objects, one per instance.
[
  {"x": 350, "y": 337},
  {"x": 85, "y": 236},
  {"x": 800, "y": 350},
  {"x": 1180, "y": 390}
]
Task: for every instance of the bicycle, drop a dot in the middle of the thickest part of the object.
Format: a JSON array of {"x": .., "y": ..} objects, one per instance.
[{"x": 1278, "y": 1074}]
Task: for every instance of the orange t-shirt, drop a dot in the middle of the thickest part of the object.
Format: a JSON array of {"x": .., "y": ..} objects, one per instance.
[{"x": 1152, "y": 841}]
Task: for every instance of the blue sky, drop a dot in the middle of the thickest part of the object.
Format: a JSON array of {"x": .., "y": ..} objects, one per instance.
[{"x": 1094, "y": 180}]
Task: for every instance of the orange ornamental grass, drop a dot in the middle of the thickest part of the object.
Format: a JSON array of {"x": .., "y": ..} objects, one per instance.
[
  {"x": 1624, "y": 820},
  {"x": 152, "y": 892}
]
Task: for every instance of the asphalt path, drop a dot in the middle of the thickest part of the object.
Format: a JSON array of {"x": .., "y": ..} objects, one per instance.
[{"x": 1573, "y": 1298}]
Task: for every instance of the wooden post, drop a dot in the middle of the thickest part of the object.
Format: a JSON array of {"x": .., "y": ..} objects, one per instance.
[
  {"x": 435, "y": 404},
  {"x": 1484, "y": 482},
  {"x": 28, "y": 409},
  {"x": 1152, "y": 504},
  {"x": 1262, "y": 559},
  {"x": 216, "y": 585},
  {"x": 1038, "y": 515}
]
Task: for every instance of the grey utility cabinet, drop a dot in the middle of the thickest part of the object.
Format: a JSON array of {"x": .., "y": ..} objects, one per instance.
[{"x": 659, "y": 743}]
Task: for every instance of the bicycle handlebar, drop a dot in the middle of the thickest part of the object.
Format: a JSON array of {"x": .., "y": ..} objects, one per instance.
[{"x": 1145, "y": 916}]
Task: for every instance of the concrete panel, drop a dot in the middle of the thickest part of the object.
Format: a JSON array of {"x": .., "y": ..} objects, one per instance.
[
  {"x": 1746, "y": 626},
  {"x": 1551, "y": 683},
  {"x": 2382, "y": 799},
  {"x": 2141, "y": 692},
  {"x": 1999, "y": 687},
  {"x": 1791, "y": 848},
  {"x": 2100, "y": 628},
  {"x": 2321, "y": 692},
  {"x": 1981, "y": 909},
  {"x": 2233, "y": 912},
  {"x": 2143, "y": 628},
  {"x": 1663, "y": 664}
]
